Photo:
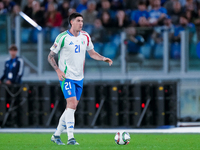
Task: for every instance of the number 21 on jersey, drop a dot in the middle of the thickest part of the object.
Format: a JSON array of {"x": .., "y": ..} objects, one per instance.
[{"x": 77, "y": 48}]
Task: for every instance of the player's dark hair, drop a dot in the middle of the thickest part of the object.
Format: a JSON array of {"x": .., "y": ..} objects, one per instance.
[
  {"x": 13, "y": 47},
  {"x": 74, "y": 16}
]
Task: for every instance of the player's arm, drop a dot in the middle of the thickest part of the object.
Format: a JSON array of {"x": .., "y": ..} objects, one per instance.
[
  {"x": 51, "y": 60},
  {"x": 93, "y": 54}
]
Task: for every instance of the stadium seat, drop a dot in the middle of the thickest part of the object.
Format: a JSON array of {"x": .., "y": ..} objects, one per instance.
[
  {"x": 25, "y": 34},
  {"x": 133, "y": 47},
  {"x": 158, "y": 53},
  {"x": 54, "y": 32},
  {"x": 145, "y": 50},
  {"x": 116, "y": 39},
  {"x": 175, "y": 50},
  {"x": 2, "y": 35},
  {"x": 97, "y": 47},
  {"x": 88, "y": 28},
  {"x": 34, "y": 34},
  {"x": 110, "y": 50},
  {"x": 192, "y": 50},
  {"x": 198, "y": 50}
]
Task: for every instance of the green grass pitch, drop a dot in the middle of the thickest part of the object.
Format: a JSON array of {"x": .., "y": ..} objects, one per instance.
[{"x": 40, "y": 141}]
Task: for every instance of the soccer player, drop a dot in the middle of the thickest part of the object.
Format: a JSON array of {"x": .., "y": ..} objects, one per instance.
[
  {"x": 14, "y": 68},
  {"x": 71, "y": 47}
]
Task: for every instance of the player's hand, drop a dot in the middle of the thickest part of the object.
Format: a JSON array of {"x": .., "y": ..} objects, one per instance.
[
  {"x": 61, "y": 75},
  {"x": 108, "y": 60},
  {"x": 8, "y": 82}
]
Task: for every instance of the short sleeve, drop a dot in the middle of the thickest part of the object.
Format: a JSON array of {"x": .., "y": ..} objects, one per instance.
[
  {"x": 90, "y": 45},
  {"x": 57, "y": 44}
]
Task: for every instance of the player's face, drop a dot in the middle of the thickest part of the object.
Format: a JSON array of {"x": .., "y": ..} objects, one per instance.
[
  {"x": 77, "y": 23},
  {"x": 13, "y": 53}
]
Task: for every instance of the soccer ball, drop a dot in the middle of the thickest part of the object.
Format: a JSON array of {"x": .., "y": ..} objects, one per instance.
[{"x": 122, "y": 138}]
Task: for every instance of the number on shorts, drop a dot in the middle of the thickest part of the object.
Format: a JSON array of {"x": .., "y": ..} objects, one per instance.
[{"x": 68, "y": 85}]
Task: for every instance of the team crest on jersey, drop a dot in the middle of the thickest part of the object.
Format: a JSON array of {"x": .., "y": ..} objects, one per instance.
[
  {"x": 14, "y": 64},
  {"x": 82, "y": 41},
  {"x": 69, "y": 92},
  {"x": 55, "y": 45}
]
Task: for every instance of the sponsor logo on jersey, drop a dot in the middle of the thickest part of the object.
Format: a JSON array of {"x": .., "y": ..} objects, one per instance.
[
  {"x": 71, "y": 43},
  {"x": 55, "y": 45},
  {"x": 69, "y": 92}
]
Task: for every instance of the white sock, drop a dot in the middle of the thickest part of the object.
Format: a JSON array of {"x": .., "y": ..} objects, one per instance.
[
  {"x": 61, "y": 125},
  {"x": 69, "y": 119}
]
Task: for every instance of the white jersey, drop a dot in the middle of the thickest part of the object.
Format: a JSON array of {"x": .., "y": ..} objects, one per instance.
[{"x": 71, "y": 53}]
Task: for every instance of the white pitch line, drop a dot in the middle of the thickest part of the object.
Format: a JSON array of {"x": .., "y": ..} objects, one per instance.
[{"x": 41, "y": 130}]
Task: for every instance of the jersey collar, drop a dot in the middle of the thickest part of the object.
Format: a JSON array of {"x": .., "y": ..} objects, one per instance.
[{"x": 71, "y": 33}]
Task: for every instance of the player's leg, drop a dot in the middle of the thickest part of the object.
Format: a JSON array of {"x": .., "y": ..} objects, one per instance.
[
  {"x": 61, "y": 125},
  {"x": 65, "y": 86},
  {"x": 72, "y": 104},
  {"x": 60, "y": 128},
  {"x": 70, "y": 119}
]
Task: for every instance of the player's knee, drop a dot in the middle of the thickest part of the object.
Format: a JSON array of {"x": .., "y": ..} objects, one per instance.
[{"x": 72, "y": 105}]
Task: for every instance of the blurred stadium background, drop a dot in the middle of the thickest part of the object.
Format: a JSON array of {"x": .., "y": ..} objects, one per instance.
[{"x": 154, "y": 81}]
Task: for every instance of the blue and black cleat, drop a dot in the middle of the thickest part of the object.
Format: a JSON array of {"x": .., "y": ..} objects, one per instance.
[
  {"x": 57, "y": 140},
  {"x": 72, "y": 141}
]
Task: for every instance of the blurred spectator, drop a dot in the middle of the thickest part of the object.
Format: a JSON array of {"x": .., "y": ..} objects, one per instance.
[
  {"x": 14, "y": 67},
  {"x": 183, "y": 24},
  {"x": 117, "y": 4},
  {"x": 140, "y": 17},
  {"x": 168, "y": 5},
  {"x": 197, "y": 23},
  {"x": 157, "y": 14},
  {"x": 190, "y": 5},
  {"x": 71, "y": 10},
  {"x": 54, "y": 18},
  {"x": 8, "y": 5},
  {"x": 107, "y": 21},
  {"x": 176, "y": 12},
  {"x": 2, "y": 9},
  {"x": 150, "y": 5},
  {"x": 131, "y": 4},
  {"x": 63, "y": 8},
  {"x": 15, "y": 12},
  {"x": 82, "y": 6},
  {"x": 197, "y": 20},
  {"x": 98, "y": 32},
  {"x": 44, "y": 4},
  {"x": 158, "y": 31},
  {"x": 191, "y": 16},
  {"x": 133, "y": 44},
  {"x": 74, "y": 3},
  {"x": 90, "y": 14},
  {"x": 28, "y": 8},
  {"x": 105, "y": 6},
  {"x": 122, "y": 19},
  {"x": 38, "y": 14}
]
